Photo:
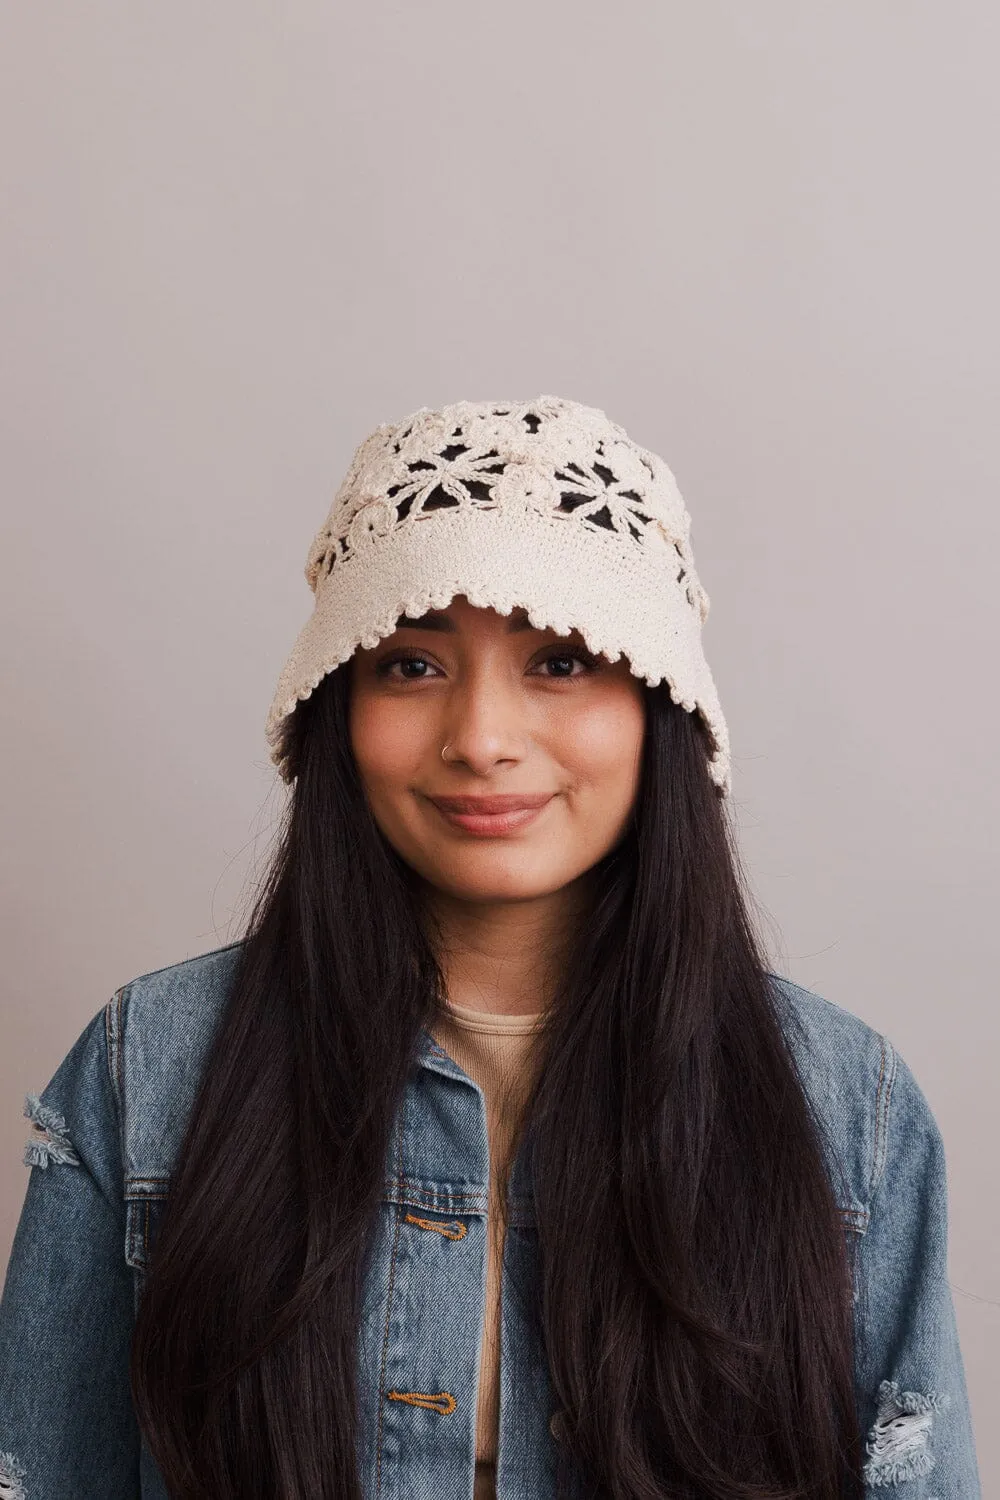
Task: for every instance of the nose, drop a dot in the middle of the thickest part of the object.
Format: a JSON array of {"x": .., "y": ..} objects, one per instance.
[{"x": 485, "y": 722}]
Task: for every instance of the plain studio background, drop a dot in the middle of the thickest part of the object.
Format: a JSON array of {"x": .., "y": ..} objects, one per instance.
[{"x": 763, "y": 238}]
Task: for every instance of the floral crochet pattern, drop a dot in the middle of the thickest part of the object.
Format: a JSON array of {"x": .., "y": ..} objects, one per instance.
[
  {"x": 548, "y": 455},
  {"x": 546, "y": 505}
]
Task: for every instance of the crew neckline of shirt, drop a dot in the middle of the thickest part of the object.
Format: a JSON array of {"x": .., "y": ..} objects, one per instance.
[{"x": 493, "y": 1021}]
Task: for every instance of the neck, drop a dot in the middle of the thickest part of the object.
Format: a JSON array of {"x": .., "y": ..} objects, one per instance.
[{"x": 504, "y": 957}]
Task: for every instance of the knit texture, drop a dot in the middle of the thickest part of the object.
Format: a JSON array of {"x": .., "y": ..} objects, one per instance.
[
  {"x": 544, "y": 504},
  {"x": 496, "y": 1052}
]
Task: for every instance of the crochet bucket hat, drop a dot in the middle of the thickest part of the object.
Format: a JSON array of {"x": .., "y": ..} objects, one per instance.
[{"x": 545, "y": 504}]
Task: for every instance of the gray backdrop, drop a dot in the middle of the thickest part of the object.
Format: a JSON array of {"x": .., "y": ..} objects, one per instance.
[{"x": 763, "y": 238}]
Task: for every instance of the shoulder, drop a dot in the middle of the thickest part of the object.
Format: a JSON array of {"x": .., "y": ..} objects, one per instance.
[
  {"x": 117, "y": 1103},
  {"x": 159, "y": 1028},
  {"x": 182, "y": 998},
  {"x": 857, "y": 1086},
  {"x": 835, "y": 1050}
]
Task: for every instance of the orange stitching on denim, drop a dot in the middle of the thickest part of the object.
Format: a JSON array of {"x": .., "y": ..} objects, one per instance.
[
  {"x": 400, "y": 1185},
  {"x": 457, "y": 1233},
  {"x": 855, "y": 1219},
  {"x": 443, "y": 1402}
]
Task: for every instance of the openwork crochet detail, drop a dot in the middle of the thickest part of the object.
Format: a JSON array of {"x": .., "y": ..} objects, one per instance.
[
  {"x": 544, "y": 504},
  {"x": 550, "y": 455}
]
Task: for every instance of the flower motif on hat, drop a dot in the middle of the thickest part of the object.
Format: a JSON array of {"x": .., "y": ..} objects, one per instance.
[
  {"x": 450, "y": 471},
  {"x": 520, "y": 484},
  {"x": 509, "y": 501},
  {"x": 375, "y": 517},
  {"x": 595, "y": 495},
  {"x": 564, "y": 460}
]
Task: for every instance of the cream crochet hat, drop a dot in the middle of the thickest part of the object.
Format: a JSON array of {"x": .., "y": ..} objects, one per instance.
[{"x": 542, "y": 504}]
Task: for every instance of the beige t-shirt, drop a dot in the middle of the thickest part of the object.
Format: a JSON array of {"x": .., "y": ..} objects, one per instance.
[{"x": 496, "y": 1052}]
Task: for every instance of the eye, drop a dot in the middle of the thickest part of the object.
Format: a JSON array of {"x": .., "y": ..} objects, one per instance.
[
  {"x": 562, "y": 654},
  {"x": 553, "y": 654},
  {"x": 382, "y": 668}
]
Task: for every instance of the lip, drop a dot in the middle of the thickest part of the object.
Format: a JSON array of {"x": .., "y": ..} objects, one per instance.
[{"x": 492, "y": 816}]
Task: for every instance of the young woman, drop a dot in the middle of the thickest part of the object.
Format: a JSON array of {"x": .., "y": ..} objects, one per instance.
[{"x": 492, "y": 1159}]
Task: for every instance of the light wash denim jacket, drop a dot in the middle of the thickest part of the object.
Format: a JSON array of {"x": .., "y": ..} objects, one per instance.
[{"x": 108, "y": 1128}]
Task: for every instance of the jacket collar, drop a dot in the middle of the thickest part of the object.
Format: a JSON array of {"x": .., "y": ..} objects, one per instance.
[{"x": 430, "y": 1054}]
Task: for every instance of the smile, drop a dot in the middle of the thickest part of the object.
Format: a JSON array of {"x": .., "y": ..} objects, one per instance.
[{"x": 491, "y": 817}]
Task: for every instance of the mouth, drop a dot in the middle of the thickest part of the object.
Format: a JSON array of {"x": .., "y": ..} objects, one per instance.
[{"x": 491, "y": 816}]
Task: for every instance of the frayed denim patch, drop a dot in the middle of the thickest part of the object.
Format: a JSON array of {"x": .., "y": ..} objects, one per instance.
[
  {"x": 11, "y": 1475},
  {"x": 898, "y": 1443},
  {"x": 52, "y": 1144}
]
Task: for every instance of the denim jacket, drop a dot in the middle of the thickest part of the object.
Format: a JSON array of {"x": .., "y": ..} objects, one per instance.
[{"x": 107, "y": 1130}]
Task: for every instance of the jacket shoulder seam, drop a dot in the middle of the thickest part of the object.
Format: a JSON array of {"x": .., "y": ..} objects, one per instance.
[
  {"x": 883, "y": 1100},
  {"x": 873, "y": 1096},
  {"x": 180, "y": 963},
  {"x": 113, "y": 1023}
]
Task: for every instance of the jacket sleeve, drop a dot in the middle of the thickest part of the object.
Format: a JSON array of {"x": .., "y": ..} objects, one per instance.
[
  {"x": 914, "y": 1405},
  {"x": 67, "y": 1424}
]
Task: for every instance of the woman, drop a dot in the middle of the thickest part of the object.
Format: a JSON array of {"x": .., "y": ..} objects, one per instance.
[{"x": 492, "y": 1159}]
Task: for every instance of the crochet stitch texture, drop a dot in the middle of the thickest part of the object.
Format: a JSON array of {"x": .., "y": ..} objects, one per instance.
[{"x": 544, "y": 504}]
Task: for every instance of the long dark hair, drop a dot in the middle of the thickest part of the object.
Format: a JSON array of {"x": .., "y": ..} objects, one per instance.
[{"x": 694, "y": 1291}]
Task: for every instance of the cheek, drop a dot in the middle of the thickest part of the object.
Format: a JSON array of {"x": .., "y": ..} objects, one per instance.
[
  {"x": 383, "y": 745},
  {"x": 605, "y": 748}
]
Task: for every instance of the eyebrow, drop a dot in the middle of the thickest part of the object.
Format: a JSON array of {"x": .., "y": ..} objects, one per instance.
[{"x": 434, "y": 620}]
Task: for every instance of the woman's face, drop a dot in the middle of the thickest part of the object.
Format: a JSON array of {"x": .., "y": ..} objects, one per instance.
[{"x": 523, "y": 712}]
